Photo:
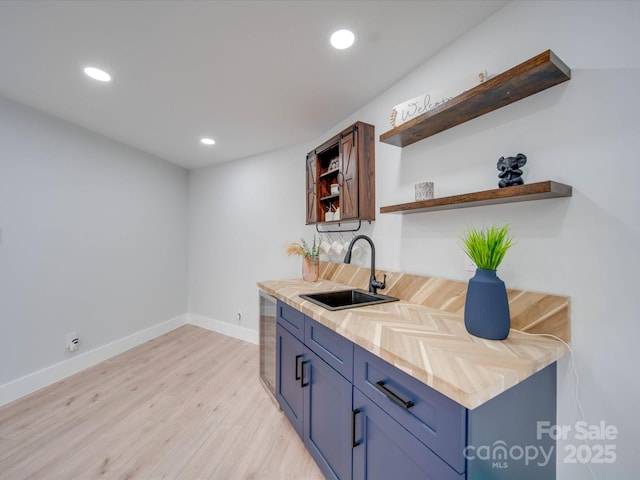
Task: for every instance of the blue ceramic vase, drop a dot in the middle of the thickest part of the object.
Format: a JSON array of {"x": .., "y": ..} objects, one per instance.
[{"x": 486, "y": 309}]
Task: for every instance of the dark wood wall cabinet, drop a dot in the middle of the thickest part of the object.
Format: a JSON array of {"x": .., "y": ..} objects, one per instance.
[
  {"x": 346, "y": 161},
  {"x": 536, "y": 74}
]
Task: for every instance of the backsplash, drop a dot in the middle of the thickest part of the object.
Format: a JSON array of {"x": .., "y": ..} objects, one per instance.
[{"x": 531, "y": 312}]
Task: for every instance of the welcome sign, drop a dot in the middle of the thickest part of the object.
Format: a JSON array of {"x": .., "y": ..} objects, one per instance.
[{"x": 410, "y": 109}]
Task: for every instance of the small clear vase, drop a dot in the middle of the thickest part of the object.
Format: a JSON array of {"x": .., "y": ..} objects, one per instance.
[{"x": 310, "y": 269}]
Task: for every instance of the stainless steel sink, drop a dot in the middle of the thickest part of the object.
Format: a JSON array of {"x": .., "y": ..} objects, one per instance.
[{"x": 342, "y": 299}]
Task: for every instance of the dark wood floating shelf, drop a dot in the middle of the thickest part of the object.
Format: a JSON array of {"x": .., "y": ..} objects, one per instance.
[
  {"x": 520, "y": 193},
  {"x": 536, "y": 74}
]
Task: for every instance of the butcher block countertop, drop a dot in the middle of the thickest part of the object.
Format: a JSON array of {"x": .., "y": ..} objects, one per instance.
[{"x": 430, "y": 344}]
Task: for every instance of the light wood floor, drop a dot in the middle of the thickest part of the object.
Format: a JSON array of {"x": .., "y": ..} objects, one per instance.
[{"x": 186, "y": 405}]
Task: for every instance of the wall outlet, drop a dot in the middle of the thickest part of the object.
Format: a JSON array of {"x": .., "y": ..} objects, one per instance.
[
  {"x": 469, "y": 265},
  {"x": 73, "y": 342}
]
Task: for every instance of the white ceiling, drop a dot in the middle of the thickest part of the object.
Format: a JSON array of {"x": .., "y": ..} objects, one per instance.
[{"x": 254, "y": 75}]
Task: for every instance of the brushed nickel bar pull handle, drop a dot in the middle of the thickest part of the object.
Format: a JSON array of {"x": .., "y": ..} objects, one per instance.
[{"x": 406, "y": 405}]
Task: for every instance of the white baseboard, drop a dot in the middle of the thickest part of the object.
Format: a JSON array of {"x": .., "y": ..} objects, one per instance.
[
  {"x": 35, "y": 381},
  {"x": 224, "y": 328}
]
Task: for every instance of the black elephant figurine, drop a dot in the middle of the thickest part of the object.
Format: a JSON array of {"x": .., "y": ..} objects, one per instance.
[{"x": 510, "y": 172}]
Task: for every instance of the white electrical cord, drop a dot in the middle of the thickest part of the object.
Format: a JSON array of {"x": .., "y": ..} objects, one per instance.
[{"x": 575, "y": 372}]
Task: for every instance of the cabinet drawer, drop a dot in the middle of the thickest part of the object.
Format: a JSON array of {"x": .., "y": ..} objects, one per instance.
[
  {"x": 291, "y": 319},
  {"x": 332, "y": 347},
  {"x": 437, "y": 421}
]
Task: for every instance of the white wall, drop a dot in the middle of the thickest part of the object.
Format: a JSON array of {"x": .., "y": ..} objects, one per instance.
[
  {"x": 583, "y": 133},
  {"x": 241, "y": 217},
  {"x": 93, "y": 239}
]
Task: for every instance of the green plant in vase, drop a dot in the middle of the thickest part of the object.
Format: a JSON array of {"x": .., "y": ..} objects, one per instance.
[
  {"x": 310, "y": 258},
  {"x": 486, "y": 311}
]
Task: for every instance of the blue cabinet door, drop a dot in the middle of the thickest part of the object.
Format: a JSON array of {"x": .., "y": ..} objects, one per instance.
[
  {"x": 289, "y": 392},
  {"x": 386, "y": 450},
  {"x": 327, "y": 424}
]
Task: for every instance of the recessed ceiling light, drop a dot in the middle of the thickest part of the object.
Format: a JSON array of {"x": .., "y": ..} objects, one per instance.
[
  {"x": 97, "y": 74},
  {"x": 208, "y": 141},
  {"x": 342, "y": 39}
]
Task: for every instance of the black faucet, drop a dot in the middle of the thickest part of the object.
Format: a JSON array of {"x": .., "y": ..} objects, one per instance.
[{"x": 373, "y": 283}]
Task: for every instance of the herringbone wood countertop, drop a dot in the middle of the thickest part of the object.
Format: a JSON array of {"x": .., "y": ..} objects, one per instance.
[{"x": 430, "y": 344}]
